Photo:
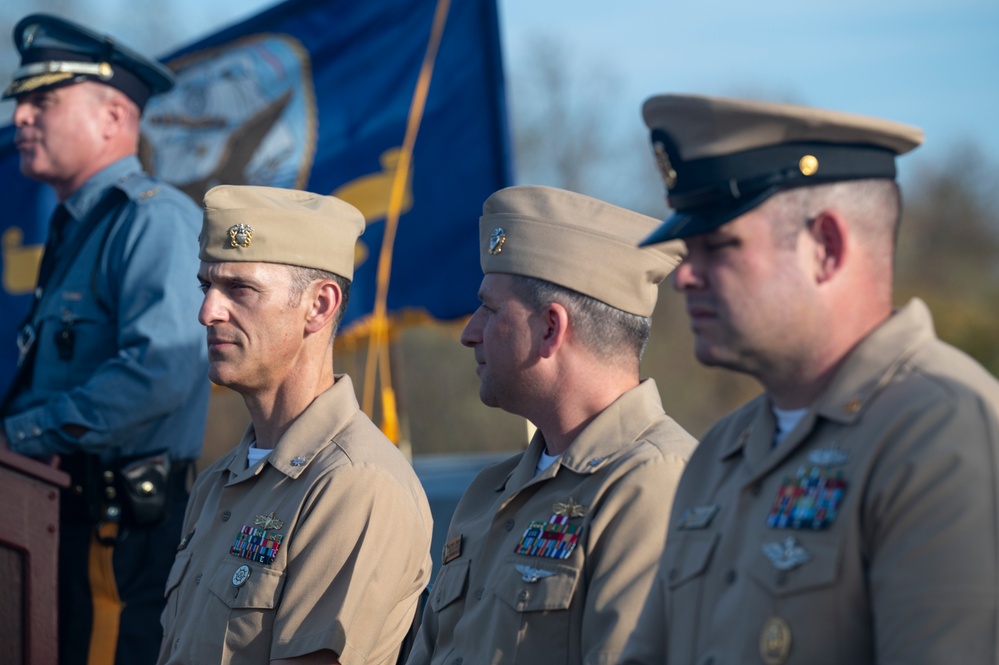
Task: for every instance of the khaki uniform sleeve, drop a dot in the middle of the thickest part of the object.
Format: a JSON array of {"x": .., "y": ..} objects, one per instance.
[
  {"x": 357, "y": 563},
  {"x": 932, "y": 530},
  {"x": 626, "y": 544},
  {"x": 647, "y": 643}
]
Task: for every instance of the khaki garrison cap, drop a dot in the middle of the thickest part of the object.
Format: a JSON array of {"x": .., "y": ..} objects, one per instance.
[
  {"x": 272, "y": 225},
  {"x": 56, "y": 52},
  {"x": 577, "y": 242},
  {"x": 720, "y": 158}
]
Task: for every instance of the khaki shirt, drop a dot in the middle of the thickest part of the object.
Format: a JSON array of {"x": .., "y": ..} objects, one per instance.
[
  {"x": 575, "y": 601},
  {"x": 868, "y": 535},
  {"x": 324, "y": 544}
]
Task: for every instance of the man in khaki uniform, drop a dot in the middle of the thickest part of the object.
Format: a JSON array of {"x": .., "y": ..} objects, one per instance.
[
  {"x": 309, "y": 542},
  {"x": 550, "y": 554},
  {"x": 848, "y": 514}
]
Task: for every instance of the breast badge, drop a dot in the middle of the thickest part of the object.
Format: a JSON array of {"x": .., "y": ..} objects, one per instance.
[
  {"x": 556, "y": 538},
  {"x": 775, "y": 641},
  {"x": 787, "y": 555},
  {"x": 532, "y": 575},
  {"x": 698, "y": 517},
  {"x": 256, "y": 544},
  {"x": 810, "y": 500}
]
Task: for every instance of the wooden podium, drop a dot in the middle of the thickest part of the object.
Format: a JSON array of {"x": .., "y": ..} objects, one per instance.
[{"x": 29, "y": 559}]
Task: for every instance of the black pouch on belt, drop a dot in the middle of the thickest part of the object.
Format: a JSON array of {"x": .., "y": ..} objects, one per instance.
[{"x": 144, "y": 486}]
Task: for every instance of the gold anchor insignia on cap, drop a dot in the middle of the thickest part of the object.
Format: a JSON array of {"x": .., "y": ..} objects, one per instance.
[
  {"x": 775, "y": 641},
  {"x": 569, "y": 509},
  {"x": 497, "y": 240},
  {"x": 241, "y": 235},
  {"x": 808, "y": 165},
  {"x": 268, "y": 521},
  {"x": 665, "y": 166}
]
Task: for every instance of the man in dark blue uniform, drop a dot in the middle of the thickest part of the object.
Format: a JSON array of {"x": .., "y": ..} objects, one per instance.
[{"x": 112, "y": 371}]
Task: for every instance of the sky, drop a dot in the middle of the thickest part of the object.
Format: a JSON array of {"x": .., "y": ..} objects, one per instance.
[{"x": 930, "y": 63}]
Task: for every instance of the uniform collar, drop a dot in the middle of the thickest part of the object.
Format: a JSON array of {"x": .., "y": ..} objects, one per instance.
[
  {"x": 864, "y": 372},
  {"x": 874, "y": 361},
  {"x": 90, "y": 193},
  {"x": 311, "y": 432},
  {"x": 614, "y": 430}
]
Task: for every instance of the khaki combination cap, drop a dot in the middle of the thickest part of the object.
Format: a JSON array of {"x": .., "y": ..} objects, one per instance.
[
  {"x": 272, "y": 225},
  {"x": 720, "y": 158},
  {"x": 577, "y": 242}
]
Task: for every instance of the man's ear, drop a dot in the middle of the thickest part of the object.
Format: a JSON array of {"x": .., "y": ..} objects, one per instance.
[
  {"x": 326, "y": 299},
  {"x": 831, "y": 237},
  {"x": 554, "y": 328},
  {"x": 120, "y": 114}
]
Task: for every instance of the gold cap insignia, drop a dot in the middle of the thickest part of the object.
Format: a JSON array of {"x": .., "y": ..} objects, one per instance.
[
  {"x": 241, "y": 235},
  {"x": 497, "y": 240},
  {"x": 808, "y": 165},
  {"x": 665, "y": 166},
  {"x": 569, "y": 509},
  {"x": 268, "y": 521}
]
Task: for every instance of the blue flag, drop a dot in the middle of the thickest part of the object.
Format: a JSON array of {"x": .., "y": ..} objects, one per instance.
[{"x": 315, "y": 95}]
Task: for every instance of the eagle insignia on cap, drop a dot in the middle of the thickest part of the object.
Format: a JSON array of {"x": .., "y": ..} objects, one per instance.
[
  {"x": 497, "y": 240},
  {"x": 665, "y": 166},
  {"x": 29, "y": 35},
  {"x": 241, "y": 235}
]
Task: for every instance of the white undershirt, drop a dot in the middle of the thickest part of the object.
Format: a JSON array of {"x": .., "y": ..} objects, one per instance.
[
  {"x": 544, "y": 462},
  {"x": 787, "y": 420},
  {"x": 254, "y": 454}
]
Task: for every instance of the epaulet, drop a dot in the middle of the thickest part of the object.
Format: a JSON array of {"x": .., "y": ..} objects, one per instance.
[{"x": 139, "y": 186}]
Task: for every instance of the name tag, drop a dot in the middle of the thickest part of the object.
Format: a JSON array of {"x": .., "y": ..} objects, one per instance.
[{"x": 697, "y": 518}]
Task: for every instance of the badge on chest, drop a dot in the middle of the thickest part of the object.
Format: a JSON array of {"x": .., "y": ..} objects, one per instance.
[
  {"x": 259, "y": 544},
  {"x": 556, "y": 538},
  {"x": 812, "y": 497}
]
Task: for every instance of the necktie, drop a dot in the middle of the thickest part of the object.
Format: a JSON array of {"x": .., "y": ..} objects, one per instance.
[{"x": 57, "y": 227}]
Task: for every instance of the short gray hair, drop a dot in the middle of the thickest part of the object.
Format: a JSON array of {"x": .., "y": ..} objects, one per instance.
[
  {"x": 302, "y": 277},
  {"x": 610, "y": 333}
]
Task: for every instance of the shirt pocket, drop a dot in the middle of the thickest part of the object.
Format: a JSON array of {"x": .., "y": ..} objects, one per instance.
[
  {"x": 177, "y": 570},
  {"x": 819, "y": 571},
  {"x": 687, "y": 560},
  {"x": 450, "y": 584},
  {"x": 261, "y": 588},
  {"x": 252, "y": 605},
  {"x": 539, "y": 585}
]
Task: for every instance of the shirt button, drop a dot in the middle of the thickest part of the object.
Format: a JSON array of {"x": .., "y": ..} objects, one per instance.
[
  {"x": 478, "y": 594},
  {"x": 522, "y": 596},
  {"x": 730, "y": 576},
  {"x": 673, "y": 574},
  {"x": 36, "y": 431},
  {"x": 509, "y": 525},
  {"x": 197, "y": 580},
  {"x": 226, "y": 515}
]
